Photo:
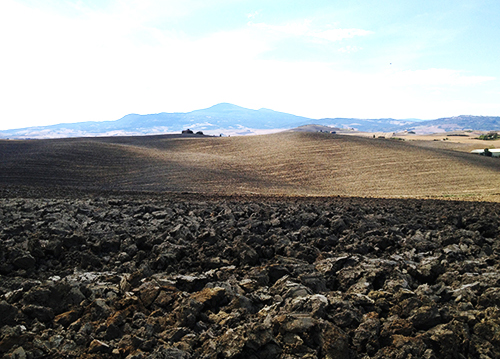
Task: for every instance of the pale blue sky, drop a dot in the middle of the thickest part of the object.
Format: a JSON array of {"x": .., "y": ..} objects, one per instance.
[{"x": 90, "y": 60}]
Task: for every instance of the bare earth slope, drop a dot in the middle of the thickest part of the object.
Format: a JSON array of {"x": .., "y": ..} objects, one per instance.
[{"x": 317, "y": 164}]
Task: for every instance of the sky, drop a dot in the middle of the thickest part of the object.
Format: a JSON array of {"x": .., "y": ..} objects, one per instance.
[{"x": 98, "y": 60}]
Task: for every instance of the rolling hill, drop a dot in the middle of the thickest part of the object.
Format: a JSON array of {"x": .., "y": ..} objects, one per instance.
[{"x": 292, "y": 163}]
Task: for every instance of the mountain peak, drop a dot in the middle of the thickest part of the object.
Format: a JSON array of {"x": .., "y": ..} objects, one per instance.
[{"x": 225, "y": 106}]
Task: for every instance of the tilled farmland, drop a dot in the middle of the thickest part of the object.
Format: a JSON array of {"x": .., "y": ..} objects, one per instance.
[
  {"x": 159, "y": 276},
  {"x": 299, "y": 164}
]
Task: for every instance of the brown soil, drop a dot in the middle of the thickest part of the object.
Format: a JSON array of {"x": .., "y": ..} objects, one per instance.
[
  {"x": 303, "y": 164},
  {"x": 162, "y": 276}
]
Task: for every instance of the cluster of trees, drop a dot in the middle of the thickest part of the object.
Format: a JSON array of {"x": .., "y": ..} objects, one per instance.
[
  {"x": 490, "y": 136},
  {"x": 189, "y": 132}
]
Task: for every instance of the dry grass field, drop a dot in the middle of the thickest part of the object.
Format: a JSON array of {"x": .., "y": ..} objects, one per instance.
[
  {"x": 464, "y": 141},
  {"x": 302, "y": 164}
]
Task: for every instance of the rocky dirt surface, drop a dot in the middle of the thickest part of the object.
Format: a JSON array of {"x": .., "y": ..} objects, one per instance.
[{"x": 188, "y": 277}]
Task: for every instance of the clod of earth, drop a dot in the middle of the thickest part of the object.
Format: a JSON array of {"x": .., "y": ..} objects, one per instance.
[{"x": 186, "y": 277}]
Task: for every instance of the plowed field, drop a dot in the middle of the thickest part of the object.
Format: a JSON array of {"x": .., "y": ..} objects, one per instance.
[{"x": 304, "y": 164}]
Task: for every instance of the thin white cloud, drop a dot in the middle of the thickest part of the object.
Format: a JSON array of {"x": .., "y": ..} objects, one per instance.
[
  {"x": 293, "y": 29},
  {"x": 306, "y": 29},
  {"x": 339, "y": 34},
  {"x": 146, "y": 10},
  {"x": 253, "y": 14},
  {"x": 349, "y": 49}
]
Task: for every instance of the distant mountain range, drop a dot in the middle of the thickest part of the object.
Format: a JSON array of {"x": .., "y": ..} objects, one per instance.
[
  {"x": 230, "y": 119},
  {"x": 447, "y": 124}
]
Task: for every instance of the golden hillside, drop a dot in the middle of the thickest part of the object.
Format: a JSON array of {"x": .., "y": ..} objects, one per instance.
[{"x": 317, "y": 164}]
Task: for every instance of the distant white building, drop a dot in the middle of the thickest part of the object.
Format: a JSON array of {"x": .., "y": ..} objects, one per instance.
[{"x": 495, "y": 152}]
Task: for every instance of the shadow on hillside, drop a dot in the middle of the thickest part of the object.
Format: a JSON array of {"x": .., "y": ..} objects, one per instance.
[{"x": 113, "y": 164}]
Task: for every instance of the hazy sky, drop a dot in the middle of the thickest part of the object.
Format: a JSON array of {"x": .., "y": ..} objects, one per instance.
[{"x": 89, "y": 60}]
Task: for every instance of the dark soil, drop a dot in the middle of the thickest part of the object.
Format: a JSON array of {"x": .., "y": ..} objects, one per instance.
[{"x": 184, "y": 276}]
